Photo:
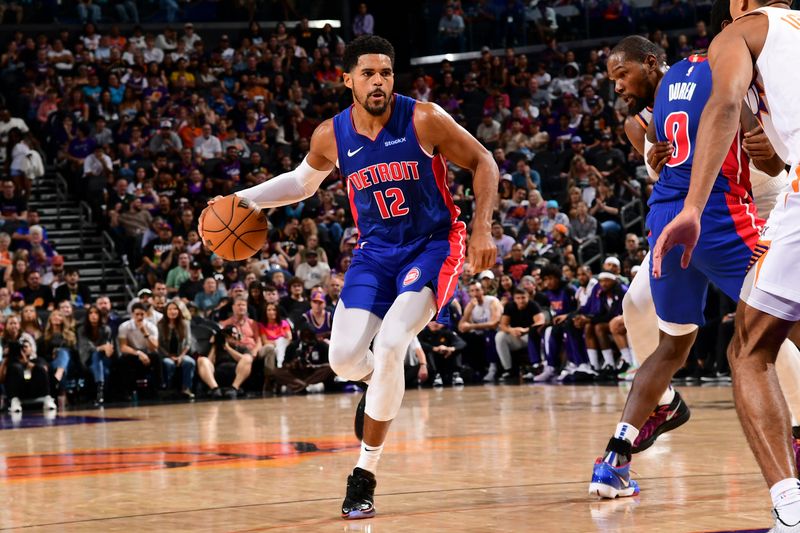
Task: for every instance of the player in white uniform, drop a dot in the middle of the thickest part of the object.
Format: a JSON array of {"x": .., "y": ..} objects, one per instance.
[{"x": 755, "y": 56}]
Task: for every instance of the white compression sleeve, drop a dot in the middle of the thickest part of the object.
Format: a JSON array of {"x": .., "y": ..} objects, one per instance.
[
  {"x": 650, "y": 171},
  {"x": 288, "y": 188}
]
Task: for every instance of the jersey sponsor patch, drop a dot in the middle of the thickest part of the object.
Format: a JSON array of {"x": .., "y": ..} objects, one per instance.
[{"x": 412, "y": 276}]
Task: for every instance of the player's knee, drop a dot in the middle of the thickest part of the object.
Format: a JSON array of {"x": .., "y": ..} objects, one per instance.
[{"x": 343, "y": 359}]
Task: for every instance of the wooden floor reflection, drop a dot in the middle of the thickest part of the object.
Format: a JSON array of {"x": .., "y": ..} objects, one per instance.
[{"x": 505, "y": 458}]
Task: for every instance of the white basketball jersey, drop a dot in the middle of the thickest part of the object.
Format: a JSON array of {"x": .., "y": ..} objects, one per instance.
[{"x": 773, "y": 96}]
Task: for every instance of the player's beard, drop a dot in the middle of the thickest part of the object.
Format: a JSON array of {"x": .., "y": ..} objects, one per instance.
[
  {"x": 373, "y": 110},
  {"x": 640, "y": 103}
]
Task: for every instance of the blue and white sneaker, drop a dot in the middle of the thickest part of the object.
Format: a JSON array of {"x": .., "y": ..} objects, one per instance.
[{"x": 612, "y": 481}]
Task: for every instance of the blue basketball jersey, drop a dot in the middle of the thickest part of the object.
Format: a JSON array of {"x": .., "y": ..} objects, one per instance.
[
  {"x": 398, "y": 193},
  {"x": 683, "y": 94}
]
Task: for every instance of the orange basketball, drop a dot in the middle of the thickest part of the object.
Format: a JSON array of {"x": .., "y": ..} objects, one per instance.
[{"x": 233, "y": 228}]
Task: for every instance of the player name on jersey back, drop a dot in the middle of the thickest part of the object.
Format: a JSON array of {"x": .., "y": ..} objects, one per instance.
[{"x": 681, "y": 91}]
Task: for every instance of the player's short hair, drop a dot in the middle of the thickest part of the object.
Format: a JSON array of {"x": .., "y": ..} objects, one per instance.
[
  {"x": 366, "y": 44},
  {"x": 720, "y": 12},
  {"x": 637, "y": 48}
]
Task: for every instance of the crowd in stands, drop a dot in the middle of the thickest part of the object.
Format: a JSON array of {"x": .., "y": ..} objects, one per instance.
[{"x": 148, "y": 126}]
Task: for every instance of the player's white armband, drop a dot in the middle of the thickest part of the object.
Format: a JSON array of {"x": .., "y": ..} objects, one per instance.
[
  {"x": 650, "y": 172},
  {"x": 288, "y": 188}
]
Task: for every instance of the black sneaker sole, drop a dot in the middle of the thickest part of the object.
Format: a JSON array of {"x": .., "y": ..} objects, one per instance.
[
  {"x": 674, "y": 423},
  {"x": 358, "y": 423}
]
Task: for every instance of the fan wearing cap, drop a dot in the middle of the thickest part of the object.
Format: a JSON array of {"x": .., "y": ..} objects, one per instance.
[
  {"x": 318, "y": 318},
  {"x": 594, "y": 316},
  {"x": 193, "y": 284},
  {"x": 554, "y": 216},
  {"x": 312, "y": 271},
  {"x": 237, "y": 290},
  {"x": 155, "y": 251}
]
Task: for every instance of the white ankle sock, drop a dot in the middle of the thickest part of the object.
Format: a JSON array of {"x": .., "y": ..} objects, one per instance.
[
  {"x": 594, "y": 358},
  {"x": 667, "y": 397},
  {"x": 608, "y": 357},
  {"x": 786, "y": 500},
  {"x": 626, "y": 355},
  {"x": 626, "y": 431},
  {"x": 368, "y": 460}
]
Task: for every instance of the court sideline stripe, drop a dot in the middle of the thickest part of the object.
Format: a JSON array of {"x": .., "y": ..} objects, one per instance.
[{"x": 315, "y": 500}]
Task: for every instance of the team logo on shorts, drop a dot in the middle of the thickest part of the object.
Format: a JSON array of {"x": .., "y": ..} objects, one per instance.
[{"x": 412, "y": 276}]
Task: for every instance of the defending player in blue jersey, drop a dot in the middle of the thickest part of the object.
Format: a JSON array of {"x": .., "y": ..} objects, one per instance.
[
  {"x": 411, "y": 245},
  {"x": 730, "y": 233}
]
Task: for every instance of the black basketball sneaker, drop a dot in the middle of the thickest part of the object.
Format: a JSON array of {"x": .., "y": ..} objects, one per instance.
[{"x": 359, "y": 502}]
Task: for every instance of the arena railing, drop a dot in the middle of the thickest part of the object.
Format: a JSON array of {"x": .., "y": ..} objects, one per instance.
[
  {"x": 109, "y": 256},
  {"x": 592, "y": 245},
  {"x": 61, "y": 195},
  {"x": 632, "y": 214}
]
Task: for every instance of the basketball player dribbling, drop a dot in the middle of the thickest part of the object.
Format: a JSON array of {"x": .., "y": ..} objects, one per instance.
[
  {"x": 411, "y": 245},
  {"x": 754, "y": 57}
]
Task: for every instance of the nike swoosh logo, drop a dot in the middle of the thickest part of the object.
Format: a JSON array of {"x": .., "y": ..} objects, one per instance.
[
  {"x": 671, "y": 414},
  {"x": 354, "y": 152}
]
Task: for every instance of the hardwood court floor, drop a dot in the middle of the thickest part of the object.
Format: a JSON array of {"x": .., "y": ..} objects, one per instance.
[{"x": 504, "y": 458}]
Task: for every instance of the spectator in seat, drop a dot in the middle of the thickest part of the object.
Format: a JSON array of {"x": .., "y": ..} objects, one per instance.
[
  {"x": 603, "y": 305},
  {"x": 20, "y": 358},
  {"x": 312, "y": 271},
  {"x": 194, "y": 284},
  {"x": 451, "y": 31},
  {"x": 478, "y": 327},
  {"x": 226, "y": 310},
  {"x": 178, "y": 274},
  {"x": 210, "y": 297},
  {"x": 35, "y": 293},
  {"x": 138, "y": 345},
  {"x": 95, "y": 348},
  {"x": 13, "y": 207},
  {"x": 174, "y": 343},
  {"x": 156, "y": 252},
  {"x": 228, "y": 359},
  {"x": 554, "y": 216},
  {"x": 584, "y": 225},
  {"x": 318, "y": 318},
  {"x": 518, "y": 318},
  {"x": 58, "y": 342},
  {"x": 335, "y": 286},
  {"x": 55, "y": 276},
  {"x": 208, "y": 146},
  {"x": 74, "y": 290},
  {"x": 250, "y": 337},
  {"x": 503, "y": 242},
  {"x": 562, "y": 303},
  {"x": 109, "y": 316},
  {"x": 517, "y": 265},
  {"x": 363, "y": 22},
  {"x": 306, "y": 365},
  {"x": 295, "y": 303},
  {"x": 444, "y": 347}
]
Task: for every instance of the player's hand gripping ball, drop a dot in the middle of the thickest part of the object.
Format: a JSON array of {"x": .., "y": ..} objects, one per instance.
[{"x": 234, "y": 228}]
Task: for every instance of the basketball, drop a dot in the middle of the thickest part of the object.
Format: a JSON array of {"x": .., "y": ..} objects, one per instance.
[{"x": 233, "y": 228}]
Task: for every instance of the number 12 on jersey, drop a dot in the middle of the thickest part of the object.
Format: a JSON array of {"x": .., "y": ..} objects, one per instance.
[{"x": 397, "y": 207}]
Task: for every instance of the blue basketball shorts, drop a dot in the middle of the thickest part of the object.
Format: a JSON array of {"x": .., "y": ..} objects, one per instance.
[
  {"x": 379, "y": 274},
  {"x": 729, "y": 232}
]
